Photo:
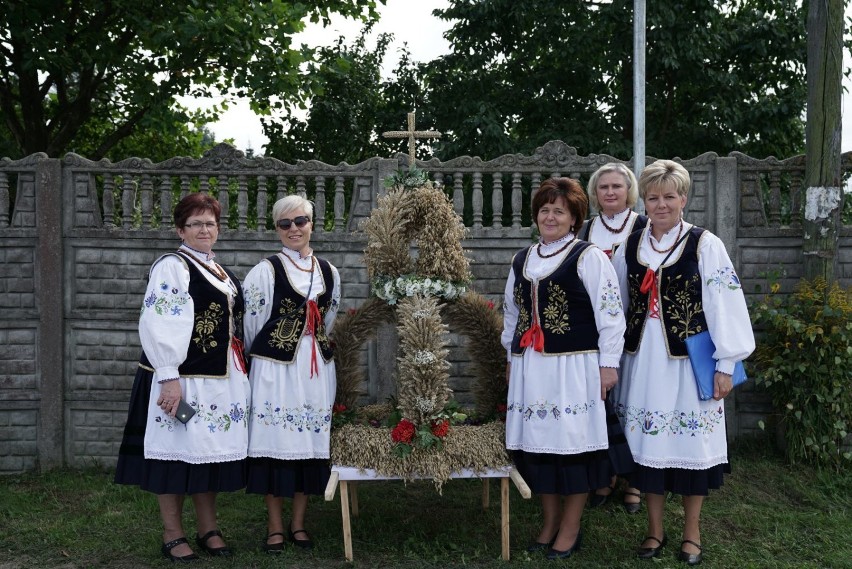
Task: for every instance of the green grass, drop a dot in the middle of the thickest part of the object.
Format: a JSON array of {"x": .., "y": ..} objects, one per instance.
[{"x": 768, "y": 514}]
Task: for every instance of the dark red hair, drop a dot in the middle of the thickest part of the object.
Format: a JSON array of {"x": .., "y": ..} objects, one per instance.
[
  {"x": 554, "y": 188},
  {"x": 194, "y": 204}
]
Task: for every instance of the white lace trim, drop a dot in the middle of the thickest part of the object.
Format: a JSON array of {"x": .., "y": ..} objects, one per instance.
[
  {"x": 183, "y": 457},
  {"x": 547, "y": 248},
  {"x": 617, "y": 217},
  {"x": 688, "y": 464},
  {"x": 551, "y": 450},
  {"x": 287, "y": 455}
]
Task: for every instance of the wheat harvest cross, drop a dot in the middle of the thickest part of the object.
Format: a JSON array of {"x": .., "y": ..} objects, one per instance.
[{"x": 411, "y": 134}]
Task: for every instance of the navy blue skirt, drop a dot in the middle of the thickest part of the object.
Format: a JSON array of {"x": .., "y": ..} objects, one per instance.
[
  {"x": 679, "y": 480},
  {"x": 563, "y": 474},
  {"x": 167, "y": 476},
  {"x": 284, "y": 478},
  {"x": 620, "y": 458}
]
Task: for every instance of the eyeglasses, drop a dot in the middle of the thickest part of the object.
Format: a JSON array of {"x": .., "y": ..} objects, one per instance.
[
  {"x": 300, "y": 222},
  {"x": 197, "y": 225}
]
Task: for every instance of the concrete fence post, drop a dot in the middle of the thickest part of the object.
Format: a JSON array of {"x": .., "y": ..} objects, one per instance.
[{"x": 48, "y": 277}]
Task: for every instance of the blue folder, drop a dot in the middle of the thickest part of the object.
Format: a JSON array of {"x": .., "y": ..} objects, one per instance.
[{"x": 700, "y": 348}]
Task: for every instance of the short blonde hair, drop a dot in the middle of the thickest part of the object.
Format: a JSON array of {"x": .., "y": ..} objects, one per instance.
[
  {"x": 629, "y": 179},
  {"x": 292, "y": 203},
  {"x": 666, "y": 174}
]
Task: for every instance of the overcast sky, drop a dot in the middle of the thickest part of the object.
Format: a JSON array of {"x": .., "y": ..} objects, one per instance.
[{"x": 411, "y": 22}]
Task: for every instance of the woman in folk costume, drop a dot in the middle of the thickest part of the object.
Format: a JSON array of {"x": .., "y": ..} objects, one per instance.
[
  {"x": 292, "y": 299},
  {"x": 563, "y": 330},
  {"x": 190, "y": 320},
  {"x": 676, "y": 280},
  {"x": 613, "y": 192}
]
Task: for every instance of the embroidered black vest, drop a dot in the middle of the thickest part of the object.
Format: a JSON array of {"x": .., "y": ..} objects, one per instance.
[
  {"x": 280, "y": 336},
  {"x": 565, "y": 312},
  {"x": 207, "y": 353},
  {"x": 681, "y": 310},
  {"x": 639, "y": 222}
]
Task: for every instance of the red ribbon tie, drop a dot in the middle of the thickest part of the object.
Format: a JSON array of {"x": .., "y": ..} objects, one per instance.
[
  {"x": 239, "y": 354},
  {"x": 534, "y": 337},
  {"x": 311, "y": 327},
  {"x": 649, "y": 284}
]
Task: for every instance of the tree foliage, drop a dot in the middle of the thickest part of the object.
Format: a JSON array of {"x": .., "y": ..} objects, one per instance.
[
  {"x": 352, "y": 108},
  {"x": 720, "y": 76},
  {"x": 119, "y": 64}
]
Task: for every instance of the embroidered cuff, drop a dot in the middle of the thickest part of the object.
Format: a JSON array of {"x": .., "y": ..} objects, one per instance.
[
  {"x": 609, "y": 360},
  {"x": 726, "y": 366},
  {"x": 167, "y": 380},
  {"x": 166, "y": 372}
]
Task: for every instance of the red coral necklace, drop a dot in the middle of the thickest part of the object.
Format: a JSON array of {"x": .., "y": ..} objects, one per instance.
[
  {"x": 538, "y": 250},
  {"x": 612, "y": 229},
  {"x": 676, "y": 241}
]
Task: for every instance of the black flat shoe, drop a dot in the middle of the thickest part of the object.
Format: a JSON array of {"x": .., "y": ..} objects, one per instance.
[
  {"x": 537, "y": 546},
  {"x": 690, "y": 558},
  {"x": 598, "y": 500},
  {"x": 632, "y": 507},
  {"x": 303, "y": 543},
  {"x": 273, "y": 547},
  {"x": 556, "y": 554},
  {"x": 651, "y": 552},
  {"x": 201, "y": 541},
  {"x": 167, "y": 552}
]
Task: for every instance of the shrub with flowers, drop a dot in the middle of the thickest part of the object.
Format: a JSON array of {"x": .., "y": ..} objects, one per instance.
[{"x": 804, "y": 358}]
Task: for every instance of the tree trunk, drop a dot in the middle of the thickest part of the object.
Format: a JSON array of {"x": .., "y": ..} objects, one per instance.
[{"x": 824, "y": 198}]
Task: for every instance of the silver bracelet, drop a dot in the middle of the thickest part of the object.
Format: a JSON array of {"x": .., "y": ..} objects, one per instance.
[{"x": 168, "y": 379}]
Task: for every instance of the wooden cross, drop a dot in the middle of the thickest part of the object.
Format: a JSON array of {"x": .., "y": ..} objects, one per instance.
[{"x": 411, "y": 135}]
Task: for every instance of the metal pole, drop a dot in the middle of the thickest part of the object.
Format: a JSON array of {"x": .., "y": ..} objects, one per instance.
[{"x": 639, "y": 91}]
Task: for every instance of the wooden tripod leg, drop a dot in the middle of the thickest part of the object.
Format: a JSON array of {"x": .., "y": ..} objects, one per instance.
[
  {"x": 504, "y": 516},
  {"x": 347, "y": 526},
  {"x": 353, "y": 497}
]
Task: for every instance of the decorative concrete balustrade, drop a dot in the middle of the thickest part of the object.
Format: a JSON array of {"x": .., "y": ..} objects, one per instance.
[{"x": 77, "y": 238}]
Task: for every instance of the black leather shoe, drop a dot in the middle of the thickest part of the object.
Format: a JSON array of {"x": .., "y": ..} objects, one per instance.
[
  {"x": 632, "y": 507},
  {"x": 167, "y": 552},
  {"x": 273, "y": 547},
  {"x": 201, "y": 541},
  {"x": 556, "y": 554},
  {"x": 598, "y": 500},
  {"x": 303, "y": 543},
  {"x": 651, "y": 552},
  {"x": 690, "y": 558},
  {"x": 537, "y": 546}
]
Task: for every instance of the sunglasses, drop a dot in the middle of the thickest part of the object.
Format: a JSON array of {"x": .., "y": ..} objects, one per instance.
[{"x": 300, "y": 222}]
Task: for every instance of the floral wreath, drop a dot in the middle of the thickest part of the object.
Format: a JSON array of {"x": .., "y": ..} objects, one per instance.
[{"x": 424, "y": 297}]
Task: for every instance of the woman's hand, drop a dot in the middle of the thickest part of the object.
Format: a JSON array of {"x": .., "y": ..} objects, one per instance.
[
  {"x": 722, "y": 385},
  {"x": 609, "y": 377},
  {"x": 170, "y": 396},
  {"x": 508, "y": 371}
]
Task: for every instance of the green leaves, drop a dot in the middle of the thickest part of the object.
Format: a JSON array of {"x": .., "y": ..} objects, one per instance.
[
  {"x": 522, "y": 73},
  {"x": 803, "y": 358},
  {"x": 67, "y": 64}
]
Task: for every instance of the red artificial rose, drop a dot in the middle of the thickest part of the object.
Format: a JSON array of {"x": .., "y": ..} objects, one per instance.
[
  {"x": 441, "y": 428},
  {"x": 491, "y": 305},
  {"x": 338, "y": 408},
  {"x": 403, "y": 432},
  {"x": 501, "y": 411}
]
